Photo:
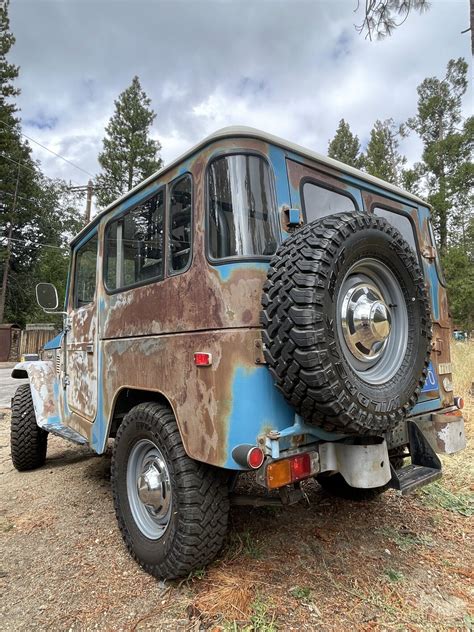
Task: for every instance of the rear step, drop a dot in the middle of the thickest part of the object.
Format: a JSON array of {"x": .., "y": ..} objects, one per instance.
[{"x": 424, "y": 468}]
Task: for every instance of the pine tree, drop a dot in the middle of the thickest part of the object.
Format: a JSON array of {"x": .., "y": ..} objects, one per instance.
[
  {"x": 447, "y": 160},
  {"x": 345, "y": 146},
  {"x": 129, "y": 155},
  {"x": 36, "y": 215},
  {"x": 382, "y": 158}
]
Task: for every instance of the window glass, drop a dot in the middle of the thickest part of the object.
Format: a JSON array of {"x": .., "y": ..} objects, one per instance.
[
  {"x": 400, "y": 222},
  {"x": 320, "y": 202},
  {"x": 243, "y": 218},
  {"x": 85, "y": 276},
  {"x": 134, "y": 245},
  {"x": 180, "y": 235}
]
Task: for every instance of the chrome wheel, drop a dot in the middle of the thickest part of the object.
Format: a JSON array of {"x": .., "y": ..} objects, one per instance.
[
  {"x": 149, "y": 489},
  {"x": 373, "y": 323}
]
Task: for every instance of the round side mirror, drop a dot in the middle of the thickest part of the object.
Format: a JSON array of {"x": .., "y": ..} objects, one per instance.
[{"x": 47, "y": 296}]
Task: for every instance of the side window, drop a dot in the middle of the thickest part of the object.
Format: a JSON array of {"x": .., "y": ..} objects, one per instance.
[
  {"x": 85, "y": 273},
  {"x": 180, "y": 224},
  {"x": 319, "y": 202},
  {"x": 400, "y": 222},
  {"x": 134, "y": 245},
  {"x": 242, "y": 213}
]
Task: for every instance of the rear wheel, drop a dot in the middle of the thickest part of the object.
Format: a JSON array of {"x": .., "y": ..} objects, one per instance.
[
  {"x": 172, "y": 511},
  {"x": 28, "y": 441}
]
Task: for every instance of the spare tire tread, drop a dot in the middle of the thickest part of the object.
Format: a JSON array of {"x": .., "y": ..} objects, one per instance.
[{"x": 296, "y": 346}]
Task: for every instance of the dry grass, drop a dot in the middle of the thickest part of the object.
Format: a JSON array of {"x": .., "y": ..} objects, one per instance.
[
  {"x": 462, "y": 354},
  {"x": 326, "y": 564}
]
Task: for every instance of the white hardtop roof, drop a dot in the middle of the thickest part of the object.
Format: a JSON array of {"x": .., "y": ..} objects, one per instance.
[{"x": 250, "y": 132}]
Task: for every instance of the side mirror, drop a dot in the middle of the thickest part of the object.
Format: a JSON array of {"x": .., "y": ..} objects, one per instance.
[{"x": 47, "y": 296}]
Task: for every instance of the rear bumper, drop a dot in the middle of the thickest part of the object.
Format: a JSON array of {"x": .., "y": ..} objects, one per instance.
[
  {"x": 443, "y": 429},
  {"x": 444, "y": 432}
]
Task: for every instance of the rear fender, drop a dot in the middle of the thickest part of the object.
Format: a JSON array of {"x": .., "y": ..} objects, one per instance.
[{"x": 44, "y": 389}]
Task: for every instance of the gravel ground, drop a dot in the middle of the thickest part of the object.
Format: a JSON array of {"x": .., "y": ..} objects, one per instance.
[{"x": 327, "y": 564}]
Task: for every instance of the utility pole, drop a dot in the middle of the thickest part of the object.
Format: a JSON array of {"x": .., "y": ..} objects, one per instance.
[
  {"x": 6, "y": 263},
  {"x": 90, "y": 190}
]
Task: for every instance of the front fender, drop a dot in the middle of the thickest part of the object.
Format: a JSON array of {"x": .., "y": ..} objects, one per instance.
[{"x": 44, "y": 389}]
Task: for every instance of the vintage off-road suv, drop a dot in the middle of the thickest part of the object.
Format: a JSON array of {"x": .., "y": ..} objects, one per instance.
[{"x": 251, "y": 306}]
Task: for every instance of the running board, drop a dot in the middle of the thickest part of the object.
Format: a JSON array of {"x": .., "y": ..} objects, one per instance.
[
  {"x": 65, "y": 432},
  {"x": 424, "y": 468}
]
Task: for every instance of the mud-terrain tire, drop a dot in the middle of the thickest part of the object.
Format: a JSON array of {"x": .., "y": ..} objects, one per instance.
[
  {"x": 28, "y": 441},
  {"x": 336, "y": 485},
  {"x": 305, "y": 345},
  {"x": 187, "y": 526}
]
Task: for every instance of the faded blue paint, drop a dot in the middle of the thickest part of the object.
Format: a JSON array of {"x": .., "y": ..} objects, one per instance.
[
  {"x": 226, "y": 269},
  {"x": 100, "y": 426},
  {"x": 277, "y": 159},
  {"x": 257, "y": 407},
  {"x": 426, "y": 406},
  {"x": 55, "y": 343}
]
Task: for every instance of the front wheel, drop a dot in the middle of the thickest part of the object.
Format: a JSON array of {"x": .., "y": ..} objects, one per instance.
[
  {"x": 28, "y": 441},
  {"x": 172, "y": 511}
]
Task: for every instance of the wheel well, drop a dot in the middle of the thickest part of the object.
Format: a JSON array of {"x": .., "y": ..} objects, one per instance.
[{"x": 126, "y": 400}]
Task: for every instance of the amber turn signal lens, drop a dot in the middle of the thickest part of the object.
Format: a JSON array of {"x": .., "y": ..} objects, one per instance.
[{"x": 278, "y": 474}]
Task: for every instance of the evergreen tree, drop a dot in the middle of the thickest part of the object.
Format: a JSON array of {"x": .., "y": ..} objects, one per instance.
[
  {"x": 129, "y": 155},
  {"x": 447, "y": 160},
  {"x": 345, "y": 146},
  {"x": 382, "y": 158},
  {"x": 37, "y": 215}
]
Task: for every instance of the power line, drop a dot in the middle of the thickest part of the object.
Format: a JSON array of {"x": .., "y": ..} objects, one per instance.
[
  {"x": 23, "y": 166},
  {"x": 26, "y": 241},
  {"x": 50, "y": 150}
]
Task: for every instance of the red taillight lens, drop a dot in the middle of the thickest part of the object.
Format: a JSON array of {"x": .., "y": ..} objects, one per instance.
[
  {"x": 202, "y": 359},
  {"x": 300, "y": 466},
  {"x": 255, "y": 458},
  {"x": 459, "y": 402}
]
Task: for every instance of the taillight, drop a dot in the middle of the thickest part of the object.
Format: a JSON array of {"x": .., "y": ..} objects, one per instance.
[
  {"x": 459, "y": 402},
  {"x": 291, "y": 470},
  {"x": 300, "y": 466}
]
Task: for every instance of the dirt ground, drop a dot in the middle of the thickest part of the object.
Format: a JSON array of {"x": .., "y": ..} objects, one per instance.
[{"x": 324, "y": 564}]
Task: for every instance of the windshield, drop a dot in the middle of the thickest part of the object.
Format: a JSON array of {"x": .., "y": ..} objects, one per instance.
[{"x": 242, "y": 214}]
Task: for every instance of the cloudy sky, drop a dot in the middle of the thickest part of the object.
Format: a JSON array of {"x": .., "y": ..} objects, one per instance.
[{"x": 292, "y": 68}]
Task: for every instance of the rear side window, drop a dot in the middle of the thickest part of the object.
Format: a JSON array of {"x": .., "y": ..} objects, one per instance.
[
  {"x": 86, "y": 272},
  {"x": 400, "y": 222},
  {"x": 242, "y": 213},
  {"x": 134, "y": 245},
  {"x": 180, "y": 227},
  {"x": 320, "y": 202}
]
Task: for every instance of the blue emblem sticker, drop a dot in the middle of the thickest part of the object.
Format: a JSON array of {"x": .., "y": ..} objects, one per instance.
[{"x": 431, "y": 383}]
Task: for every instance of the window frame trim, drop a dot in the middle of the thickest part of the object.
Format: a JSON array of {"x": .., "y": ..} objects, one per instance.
[
  {"x": 119, "y": 218},
  {"x": 77, "y": 248},
  {"x": 390, "y": 209},
  {"x": 239, "y": 258},
  {"x": 329, "y": 187},
  {"x": 172, "y": 273}
]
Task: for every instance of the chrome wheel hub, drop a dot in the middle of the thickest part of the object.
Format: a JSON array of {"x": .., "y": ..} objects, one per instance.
[
  {"x": 372, "y": 321},
  {"x": 149, "y": 489},
  {"x": 366, "y": 321}
]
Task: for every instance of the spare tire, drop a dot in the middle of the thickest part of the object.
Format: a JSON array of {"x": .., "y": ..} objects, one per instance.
[{"x": 346, "y": 324}]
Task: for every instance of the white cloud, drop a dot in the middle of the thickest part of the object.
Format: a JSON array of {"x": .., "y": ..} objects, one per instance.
[{"x": 291, "y": 68}]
